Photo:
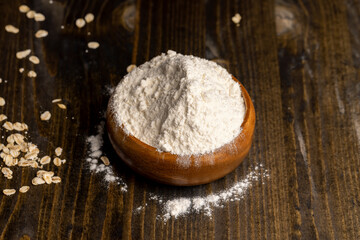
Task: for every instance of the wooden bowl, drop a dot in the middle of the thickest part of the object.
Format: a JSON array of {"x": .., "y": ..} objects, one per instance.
[{"x": 165, "y": 167}]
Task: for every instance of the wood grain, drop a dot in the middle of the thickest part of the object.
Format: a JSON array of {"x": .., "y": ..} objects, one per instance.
[{"x": 299, "y": 61}]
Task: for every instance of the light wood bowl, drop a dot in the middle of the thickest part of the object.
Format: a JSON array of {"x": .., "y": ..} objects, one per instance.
[{"x": 163, "y": 167}]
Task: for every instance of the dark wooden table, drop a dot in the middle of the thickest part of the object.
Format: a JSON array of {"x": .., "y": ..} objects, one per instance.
[{"x": 299, "y": 61}]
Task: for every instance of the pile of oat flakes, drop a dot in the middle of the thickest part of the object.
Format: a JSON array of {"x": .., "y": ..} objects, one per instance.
[{"x": 19, "y": 152}]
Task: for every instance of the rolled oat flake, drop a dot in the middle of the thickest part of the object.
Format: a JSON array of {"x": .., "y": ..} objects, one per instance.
[{"x": 93, "y": 45}]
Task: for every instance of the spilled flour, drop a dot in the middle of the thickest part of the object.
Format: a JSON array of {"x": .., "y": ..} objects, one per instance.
[
  {"x": 95, "y": 143},
  {"x": 204, "y": 204}
]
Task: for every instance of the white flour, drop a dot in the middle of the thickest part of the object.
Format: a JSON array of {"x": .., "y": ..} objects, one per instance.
[
  {"x": 180, "y": 206},
  {"x": 204, "y": 204},
  {"x": 180, "y": 104},
  {"x": 177, "y": 99},
  {"x": 95, "y": 143}
]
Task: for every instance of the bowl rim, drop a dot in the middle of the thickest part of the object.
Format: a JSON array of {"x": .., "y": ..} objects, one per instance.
[{"x": 247, "y": 103}]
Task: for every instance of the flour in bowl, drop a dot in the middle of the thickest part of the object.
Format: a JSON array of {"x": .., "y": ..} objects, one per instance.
[{"x": 180, "y": 104}]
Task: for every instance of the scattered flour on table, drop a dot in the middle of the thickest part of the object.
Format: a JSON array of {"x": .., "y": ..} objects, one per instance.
[
  {"x": 95, "y": 143},
  {"x": 186, "y": 205},
  {"x": 180, "y": 104},
  {"x": 109, "y": 89}
]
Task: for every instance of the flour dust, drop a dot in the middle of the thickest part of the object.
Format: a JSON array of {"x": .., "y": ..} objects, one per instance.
[{"x": 95, "y": 152}]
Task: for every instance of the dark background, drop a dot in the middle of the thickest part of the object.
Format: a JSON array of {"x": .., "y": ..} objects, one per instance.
[{"x": 299, "y": 61}]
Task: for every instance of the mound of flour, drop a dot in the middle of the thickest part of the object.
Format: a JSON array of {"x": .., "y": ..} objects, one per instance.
[{"x": 180, "y": 104}]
